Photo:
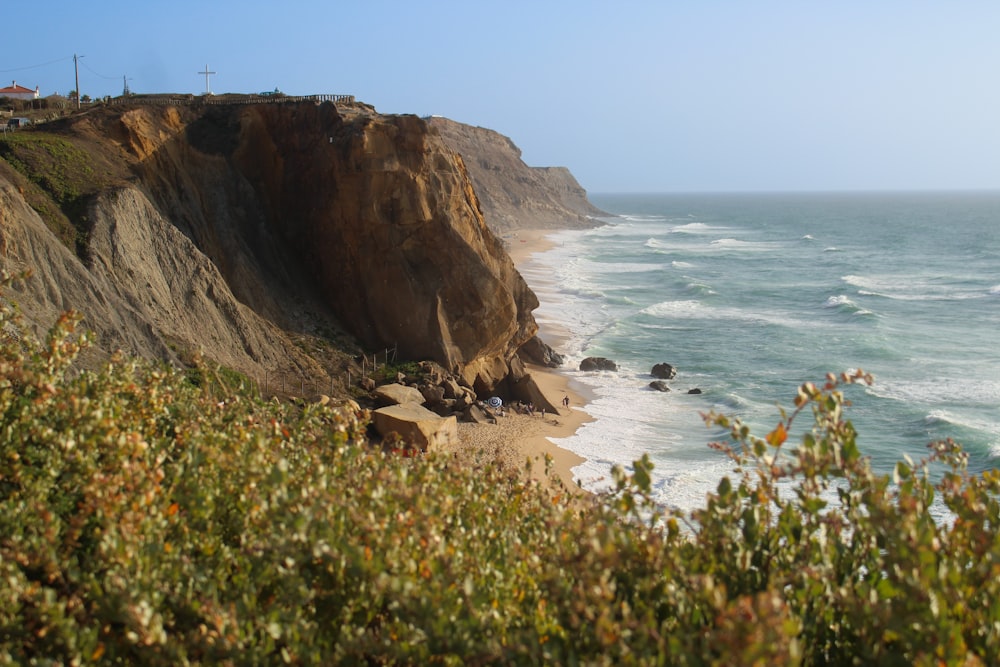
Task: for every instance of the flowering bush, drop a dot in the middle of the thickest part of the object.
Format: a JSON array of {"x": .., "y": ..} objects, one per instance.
[{"x": 145, "y": 521}]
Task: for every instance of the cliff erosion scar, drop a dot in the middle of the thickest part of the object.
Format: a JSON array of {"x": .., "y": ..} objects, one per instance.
[{"x": 248, "y": 231}]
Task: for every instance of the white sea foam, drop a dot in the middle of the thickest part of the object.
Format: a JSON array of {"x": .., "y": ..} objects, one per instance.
[
  {"x": 695, "y": 309},
  {"x": 945, "y": 417},
  {"x": 740, "y": 244},
  {"x": 749, "y": 332},
  {"x": 644, "y": 218},
  {"x": 843, "y": 303},
  {"x": 687, "y": 308},
  {"x": 936, "y": 391},
  {"x": 976, "y": 423},
  {"x": 837, "y": 301},
  {"x": 694, "y": 228},
  {"x": 683, "y": 485},
  {"x": 700, "y": 289},
  {"x": 911, "y": 288},
  {"x": 612, "y": 439},
  {"x": 617, "y": 268}
]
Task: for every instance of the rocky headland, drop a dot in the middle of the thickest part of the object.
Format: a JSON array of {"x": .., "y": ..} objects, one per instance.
[
  {"x": 282, "y": 239},
  {"x": 514, "y": 195}
]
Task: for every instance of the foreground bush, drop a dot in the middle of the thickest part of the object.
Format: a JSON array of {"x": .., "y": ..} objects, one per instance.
[{"x": 144, "y": 520}]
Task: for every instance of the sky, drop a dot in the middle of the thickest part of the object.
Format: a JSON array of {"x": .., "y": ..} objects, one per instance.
[{"x": 631, "y": 96}]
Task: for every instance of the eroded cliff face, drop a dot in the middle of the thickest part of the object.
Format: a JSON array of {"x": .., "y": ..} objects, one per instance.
[
  {"x": 514, "y": 195},
  {"x": 230, "y": 228},
  {"x": 385, "y": 215},
  {"x": 145, "y": 287}
]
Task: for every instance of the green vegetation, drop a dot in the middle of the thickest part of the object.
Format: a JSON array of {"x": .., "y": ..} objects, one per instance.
[
  {"x": 389, "y": 372},
  {"x": 63, "y": 174},
  {"x": 145, "y": 521}
]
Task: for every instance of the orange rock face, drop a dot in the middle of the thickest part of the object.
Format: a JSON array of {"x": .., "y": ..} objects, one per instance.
[
  {"x": 386, "y": 219},
  {"x": 299, "y": 208}
]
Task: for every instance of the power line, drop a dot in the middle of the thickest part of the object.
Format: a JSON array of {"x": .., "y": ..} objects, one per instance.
[
  {"x": 21, "y": 69},
  {"x": 97, "y": 74}
]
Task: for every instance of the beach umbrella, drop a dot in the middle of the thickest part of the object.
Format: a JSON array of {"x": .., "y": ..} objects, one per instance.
[{"x": 494, "y": 402}]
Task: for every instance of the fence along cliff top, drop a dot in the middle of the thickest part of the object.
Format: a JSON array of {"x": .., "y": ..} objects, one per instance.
[{"x": 228, "y": 98}]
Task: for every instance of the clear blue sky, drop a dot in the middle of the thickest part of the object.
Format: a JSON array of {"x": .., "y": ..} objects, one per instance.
[{"x": 631, "y": 96}]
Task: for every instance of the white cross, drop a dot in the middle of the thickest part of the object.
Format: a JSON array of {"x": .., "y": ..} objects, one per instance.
[{"x": 208, "y": 89}]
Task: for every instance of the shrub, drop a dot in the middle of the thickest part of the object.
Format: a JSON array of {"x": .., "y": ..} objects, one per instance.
[{"x": 145, "y": 520}]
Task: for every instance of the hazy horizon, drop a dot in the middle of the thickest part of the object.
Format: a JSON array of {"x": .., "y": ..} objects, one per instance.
[
  {"x": 635, "y": 97},
  {"x": 805, "y": 192}
]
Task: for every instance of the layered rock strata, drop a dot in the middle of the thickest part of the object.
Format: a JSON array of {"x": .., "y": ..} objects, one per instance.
[{"x": 233, "y": 229}]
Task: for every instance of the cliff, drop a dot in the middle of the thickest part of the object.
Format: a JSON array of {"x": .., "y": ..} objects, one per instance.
[
  {"x": 262, "y": 235},
  {"x": 513, "y": 194}
]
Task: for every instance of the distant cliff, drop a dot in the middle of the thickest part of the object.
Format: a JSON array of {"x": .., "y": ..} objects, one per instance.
[
  {"x": 261, "y": 235},
  {"x": 514, "y": 195}
]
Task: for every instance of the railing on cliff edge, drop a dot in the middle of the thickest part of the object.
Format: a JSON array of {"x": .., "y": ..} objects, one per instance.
[{"x": 228, "y": 98}]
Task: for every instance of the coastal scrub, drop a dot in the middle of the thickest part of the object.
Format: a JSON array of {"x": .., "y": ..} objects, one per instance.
[{"x": 145, "y": 519}]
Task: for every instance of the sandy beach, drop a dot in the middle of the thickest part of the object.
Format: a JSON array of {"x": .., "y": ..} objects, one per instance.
[{"x": 518, "y": 438}]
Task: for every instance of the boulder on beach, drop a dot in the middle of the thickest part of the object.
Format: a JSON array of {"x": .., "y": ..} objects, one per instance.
[
  {"x": 598, "y": 364},
  {"x": 478, "y": 415},
  {"x": 663, "y": 371},
  {"x": 417, "y": 425},
  {"x": 694, "y": 391},
  {"x": 659, "y": 385},
  {"x": 528, "y": 391},
  {"x": 397, "y": 394},
  {"x": 537, "y": 351},
  {"x": 433, "y": 394}
]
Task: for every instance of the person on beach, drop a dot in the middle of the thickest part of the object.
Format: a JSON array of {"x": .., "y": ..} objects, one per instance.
[{"x": 565, "y": 401}]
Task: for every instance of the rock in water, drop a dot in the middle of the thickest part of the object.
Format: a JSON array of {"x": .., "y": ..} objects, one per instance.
[
  {"x": 663, "y": 371},
  {"x": 598, "y": 364}
]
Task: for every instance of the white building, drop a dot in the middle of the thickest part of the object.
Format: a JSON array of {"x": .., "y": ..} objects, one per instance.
[{"x": 16, "y": 92}]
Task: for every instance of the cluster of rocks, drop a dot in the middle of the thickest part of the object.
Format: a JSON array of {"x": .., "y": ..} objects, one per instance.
[
  {"x": 661, "y": 371},
  {"x": 424, "y": 409},
  {"x": 404, "y": 414}
]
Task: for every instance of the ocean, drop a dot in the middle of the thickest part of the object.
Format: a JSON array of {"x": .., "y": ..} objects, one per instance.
[{"x": 750, "y": 295}]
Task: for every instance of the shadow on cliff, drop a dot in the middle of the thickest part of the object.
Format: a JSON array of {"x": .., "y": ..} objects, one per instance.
[
  {"x": 282, "y": 238},
  {"x": 355, "y": 219}
]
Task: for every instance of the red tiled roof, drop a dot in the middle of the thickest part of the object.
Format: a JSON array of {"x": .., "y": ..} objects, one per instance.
[{"x": 14, "y": 88}]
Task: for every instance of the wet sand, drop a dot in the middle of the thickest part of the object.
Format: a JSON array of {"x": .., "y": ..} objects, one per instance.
[{"x": 516, "y": 438}]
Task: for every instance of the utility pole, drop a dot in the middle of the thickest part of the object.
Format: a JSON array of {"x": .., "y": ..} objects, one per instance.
[
  {"x": 76, "y": 68},
  {"x": 126, "y": 92},
  {"x": 208, "y": 89}
]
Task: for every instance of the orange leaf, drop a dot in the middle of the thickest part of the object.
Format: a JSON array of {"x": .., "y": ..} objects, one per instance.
[
  {"x": 172, "y": 510},
  {"x": 777, "y": 436}
]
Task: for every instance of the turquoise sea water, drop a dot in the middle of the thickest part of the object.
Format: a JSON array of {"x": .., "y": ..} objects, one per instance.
[{"x": 749, "y": 295}]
